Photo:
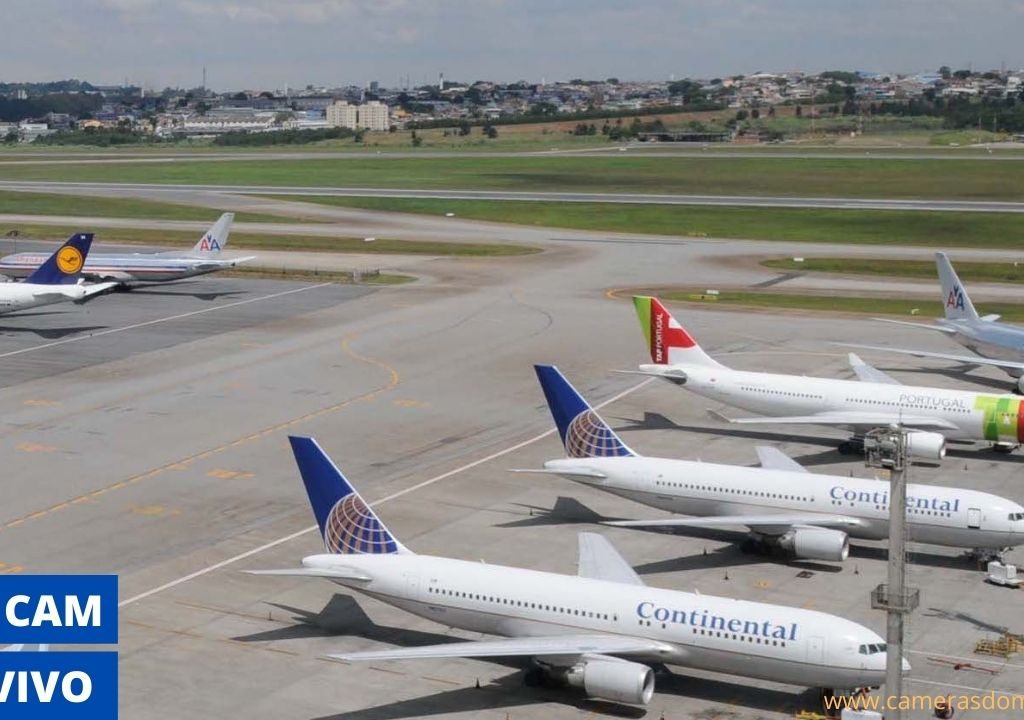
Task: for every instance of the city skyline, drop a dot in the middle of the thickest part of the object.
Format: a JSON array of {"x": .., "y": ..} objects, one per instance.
[{"x": 260, "y": 44}]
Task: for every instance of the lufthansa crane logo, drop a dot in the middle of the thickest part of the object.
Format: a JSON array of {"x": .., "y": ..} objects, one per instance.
[{"x": 70, "y": 260}]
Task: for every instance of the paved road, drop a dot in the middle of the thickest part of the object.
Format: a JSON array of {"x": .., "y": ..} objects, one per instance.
[{"x": 629, "y": 198}]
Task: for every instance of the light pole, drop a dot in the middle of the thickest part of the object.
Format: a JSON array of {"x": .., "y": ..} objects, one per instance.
[{"x": 886, "y": 449}]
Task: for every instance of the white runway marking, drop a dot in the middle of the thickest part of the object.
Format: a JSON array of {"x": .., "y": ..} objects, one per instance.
[
  {"x": 997, "y": 691},
  {"x": 157, "y": 321},
  {"x": 412, "y": 488}
]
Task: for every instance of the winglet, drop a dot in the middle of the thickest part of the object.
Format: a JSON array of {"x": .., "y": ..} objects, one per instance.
[
  {"x": 583, "y": 432},
  {"x": 216, "y": 238},
  {"x": 347, "y": 524},
  {"x": 64, "y": 267}
]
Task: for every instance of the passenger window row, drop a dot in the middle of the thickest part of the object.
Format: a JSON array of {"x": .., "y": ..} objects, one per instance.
[
  {"x": 733, "y": 491},
  {"x": 523, "y": 604}
]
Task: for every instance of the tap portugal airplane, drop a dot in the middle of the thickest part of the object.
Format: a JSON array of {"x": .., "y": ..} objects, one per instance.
[
  {"x": 58, "y": 279},
  {"x": 131, "y": 268},
  {"x": 599, "y": 629},
  {"x": 932, "y": 415},
  {"x": 812, "y": 516}
]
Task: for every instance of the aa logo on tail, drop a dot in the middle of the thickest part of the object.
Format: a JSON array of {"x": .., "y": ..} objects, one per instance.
[
  {"x": 209, "y": 244},
  {"x": 69, "y": 260},
  {"x": 956, "y": 298}
]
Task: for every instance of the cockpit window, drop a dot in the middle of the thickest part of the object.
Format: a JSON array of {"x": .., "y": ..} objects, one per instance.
[
  {"x": 1017, "y": 516},
  {"x": 872, "y": 649}
]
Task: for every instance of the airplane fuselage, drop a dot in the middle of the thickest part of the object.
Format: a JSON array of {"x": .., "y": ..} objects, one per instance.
[
  {"x": 770, "y": 642},
  {"x": 998, "y": 341},
  {"x": 937, "y": 515},
  {"x": 22, "y": 296},
  {"x": 128, "y": 267},
  {"x": 976, "y": 416}
]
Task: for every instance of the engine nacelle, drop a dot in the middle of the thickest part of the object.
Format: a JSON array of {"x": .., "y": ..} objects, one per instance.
[
  {"x": 926, "y": 445},
  {"x": 619, "y": 681},
  {"x": 814, "y": 543},
  {"x": 1020, "y": 385}
]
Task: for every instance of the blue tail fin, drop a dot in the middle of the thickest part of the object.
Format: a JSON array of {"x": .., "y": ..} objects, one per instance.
[
  {"x": 582, "y": 430},
  {"x": 64, "y": 267},
  {"x": 347, "y": 524}
]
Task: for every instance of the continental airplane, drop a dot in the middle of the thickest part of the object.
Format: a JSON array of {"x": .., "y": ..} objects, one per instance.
[
  {"x": 57, "y": 279},
  {"x": 996, "y": 343},
  {"x": 132, "y": 268},
  {"x": 780, "y": 503},
  {"x": 932, "y": 415},
  {"x": 599, "y": 630}
]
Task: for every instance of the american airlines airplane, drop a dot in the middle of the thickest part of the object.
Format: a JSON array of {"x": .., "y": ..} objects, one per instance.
[
  {"x": 131, "y": 268},
  {"x": 996, "y": 343},
  {"x": 58, "y": 279},
  {"x": 598, "y": 630},
  {"x": 932, "y": 415},
  {"x": 810, "y": 515}
]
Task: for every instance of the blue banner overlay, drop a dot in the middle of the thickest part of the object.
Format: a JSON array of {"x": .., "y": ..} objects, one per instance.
[
  {"x": 58, "y": 685},
  {"x": 58, "y": 609}
]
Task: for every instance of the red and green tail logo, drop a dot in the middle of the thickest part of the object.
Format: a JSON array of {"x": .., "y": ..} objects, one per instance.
[{"x": 661, "y": 330}]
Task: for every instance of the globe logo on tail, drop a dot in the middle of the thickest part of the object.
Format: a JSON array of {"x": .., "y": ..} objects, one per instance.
[
  {"x": 588, "y": 436},
  {"x": 351, "y": 529},
  {"x": 69, "y": 260}
]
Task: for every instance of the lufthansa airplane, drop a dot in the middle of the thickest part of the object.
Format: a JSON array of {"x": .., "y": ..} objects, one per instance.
[
  {"x": 996, "y": 343},
  {"x": 58, "y": 279},
  {"x": 599, "y": 630},
  {"x": 810, "y": 515},
  {"x": 932, "y": 415},
  {"x": 132, "y": 268}
]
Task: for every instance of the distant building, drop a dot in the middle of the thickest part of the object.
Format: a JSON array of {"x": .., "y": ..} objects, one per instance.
[
  {"x": 374, "y": 115},
  {"x": 341, "y": 114}
]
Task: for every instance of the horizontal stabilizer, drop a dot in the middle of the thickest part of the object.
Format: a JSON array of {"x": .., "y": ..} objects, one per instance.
[
  {"x": 337, "y": 573},
  {"x": 774, "y": 459},
  {"x": 990, "y": 318},
  {"x": 780, "y": 520},
  {"x": 920, "y": 326},
  {"x": 566, "y": 645},
  {"x": 575, "y": 472}
]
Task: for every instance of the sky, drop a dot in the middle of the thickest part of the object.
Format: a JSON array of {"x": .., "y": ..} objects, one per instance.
[{"x": 271, "y": 44}]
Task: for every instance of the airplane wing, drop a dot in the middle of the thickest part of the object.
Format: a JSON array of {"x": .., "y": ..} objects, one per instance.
[
  {"x": 845, "y": 419},
  {"x": 868, "y": 373},
  {"x": 760, "y": 521},
  {"x": 564, "y": 645},
  {"x": 774, "y": 459},
  {"x": 599, "y": 560},
  {"x": 336, "y": 573},
  {"x": 920, "y": 326},
  {"x": 969, "y": 359}
]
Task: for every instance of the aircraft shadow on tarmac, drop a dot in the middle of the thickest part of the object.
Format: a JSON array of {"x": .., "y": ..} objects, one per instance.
[
  {"x": 49, "y": 333},
  {"x": 207, "y": 295},
  {"x": 570, "y": 511},
  {"x": 959, "y": 616}
]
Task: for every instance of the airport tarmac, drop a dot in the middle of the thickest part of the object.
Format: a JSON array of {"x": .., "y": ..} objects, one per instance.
[{"x": 158, "y": 451}]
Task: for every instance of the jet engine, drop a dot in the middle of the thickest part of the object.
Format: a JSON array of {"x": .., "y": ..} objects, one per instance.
[
  {"x": 926, "y": 445},
  {"x": 814, "y": 543},
  {"x": 618, "y": 681},
  {"x": 1020, "y": 385}
]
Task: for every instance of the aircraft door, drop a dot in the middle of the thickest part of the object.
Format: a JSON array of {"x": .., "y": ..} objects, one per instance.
[
  {"x": 412, "y": 585},
  {"x": 973, "y": 518},
  {"x": 816, "y": 650}
]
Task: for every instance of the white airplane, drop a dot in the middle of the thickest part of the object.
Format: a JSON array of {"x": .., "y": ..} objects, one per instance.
[
  {"x": 932, "y": 415},
  {"x": 57, "y": 279},
  {"x": 810, "y": 515},
  {"x": 598, "y": 630},
  {"x": 130, "y": 268},
  {"x": 998, "y": 344}
]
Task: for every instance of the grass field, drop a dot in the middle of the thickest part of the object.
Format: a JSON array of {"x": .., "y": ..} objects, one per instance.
[
  {"x": 1000, "y": 272},
  {"x": 255, "y": 241},
  {"x": 1011, "y": 312},
  {"x": 869, "y": 227},
  {"x": 25, "y": 203},
  {"x": 625, "y": 172}
]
